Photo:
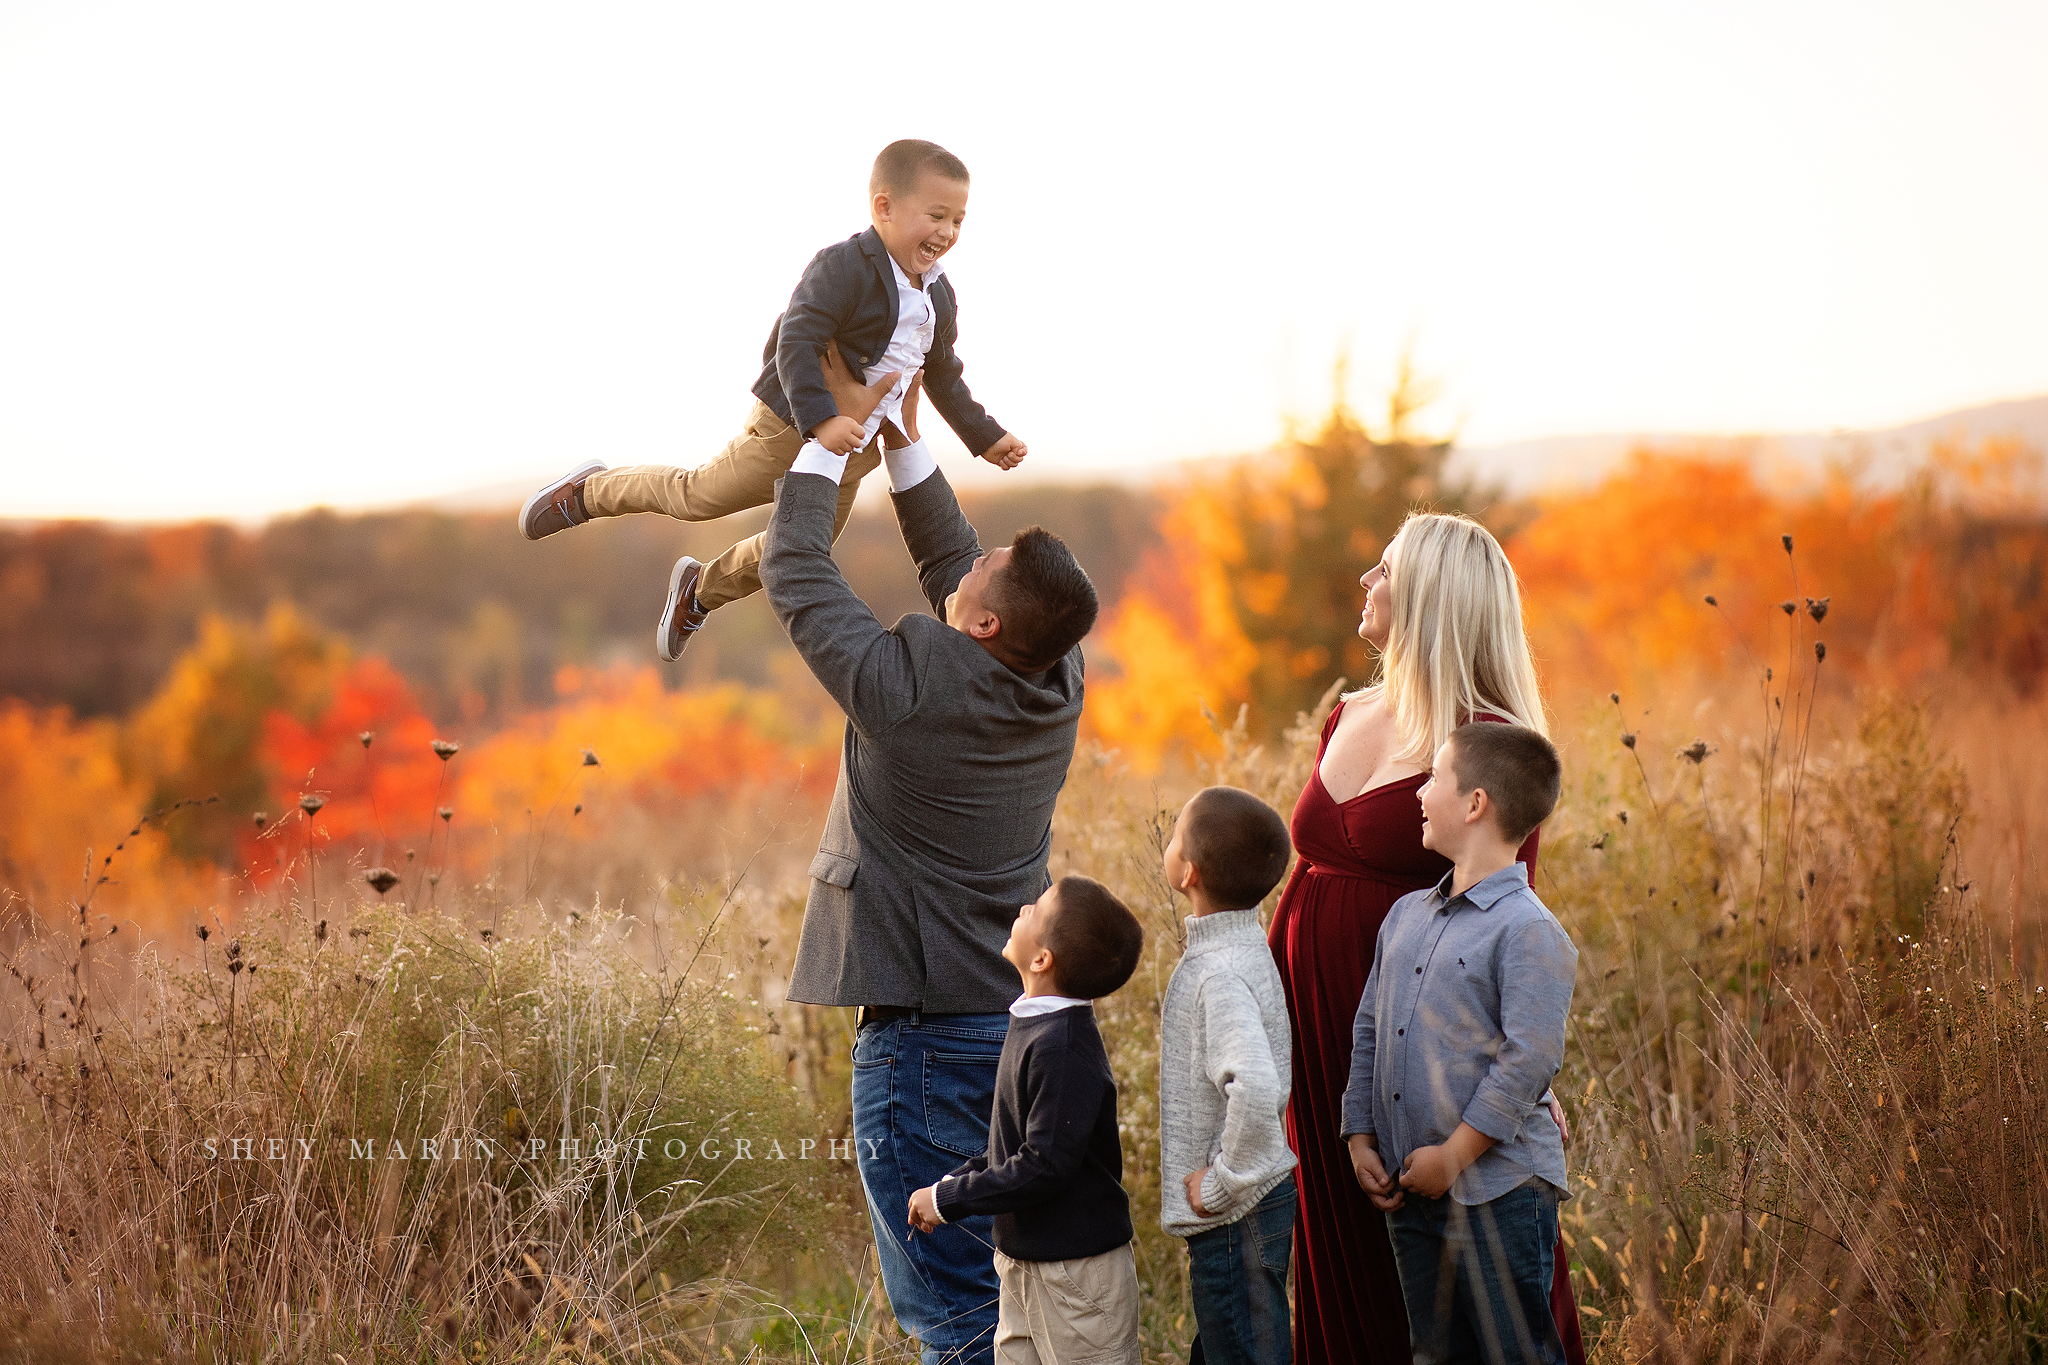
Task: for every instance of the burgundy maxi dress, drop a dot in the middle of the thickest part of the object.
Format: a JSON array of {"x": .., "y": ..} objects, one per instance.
[{"x": 1357, "y": 858}]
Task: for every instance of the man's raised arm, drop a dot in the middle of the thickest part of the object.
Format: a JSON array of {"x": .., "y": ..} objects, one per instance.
[
  {"x": 866, "y": 669},
  {"x": 941, "y": 543}
]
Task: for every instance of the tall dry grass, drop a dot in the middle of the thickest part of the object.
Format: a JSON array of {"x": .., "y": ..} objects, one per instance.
[
  {"x": 1805, "y": 1065},
  {"x": 400, "y": 1133}
]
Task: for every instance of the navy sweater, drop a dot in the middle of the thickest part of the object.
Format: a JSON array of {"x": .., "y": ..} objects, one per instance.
[{"x": 1053, "y": 1172}]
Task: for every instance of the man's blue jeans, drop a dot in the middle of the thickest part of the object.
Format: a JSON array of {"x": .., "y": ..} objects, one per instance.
[
  {"x": 1476, "y": 1278},
  {"x": 923, "y": 1089},
  {"x": 1238, "y": 1273}
]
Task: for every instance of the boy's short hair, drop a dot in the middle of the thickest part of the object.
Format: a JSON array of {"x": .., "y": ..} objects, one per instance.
[
  {"x": 1237, "y": 842},
  {"x": 900, "y": 164},
  {"x": 1518, "y": 768},
  {"x": 1095, "y": 939},
  {"x": 1044, "y": 599}
]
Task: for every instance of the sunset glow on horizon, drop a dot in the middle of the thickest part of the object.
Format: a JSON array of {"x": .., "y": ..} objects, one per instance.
[{"x": 261, "y": 258}]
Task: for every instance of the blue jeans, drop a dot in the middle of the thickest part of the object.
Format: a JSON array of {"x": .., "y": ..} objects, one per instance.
[
  {"x": 1238, "y": 1273},
  {"x": 923, "y": 1088},
  {"x": 1476, "y": 1278}
]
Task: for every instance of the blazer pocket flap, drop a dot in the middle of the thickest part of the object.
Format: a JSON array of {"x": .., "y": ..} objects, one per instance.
[{"x": 834, "y": 869}]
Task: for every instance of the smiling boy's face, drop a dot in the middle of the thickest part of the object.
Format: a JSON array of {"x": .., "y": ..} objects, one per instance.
[{"x": 923, "y": 223}]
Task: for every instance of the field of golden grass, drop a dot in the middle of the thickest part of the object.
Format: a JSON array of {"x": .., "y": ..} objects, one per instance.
[
  {"x": 1804, "y": 1070},
  {"x": 1808, "y": 1045}
]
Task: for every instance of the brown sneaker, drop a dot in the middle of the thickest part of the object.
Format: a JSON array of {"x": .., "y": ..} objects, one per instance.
[
  {"x": 681, "y": 617},
  {"x": 558, "y": 506}
]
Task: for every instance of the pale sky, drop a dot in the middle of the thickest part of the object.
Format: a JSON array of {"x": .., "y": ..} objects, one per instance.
[{"x": 256, "y": 257}]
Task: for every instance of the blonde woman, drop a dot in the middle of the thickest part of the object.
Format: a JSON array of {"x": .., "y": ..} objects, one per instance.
[{"x": 1444, "y": 613}]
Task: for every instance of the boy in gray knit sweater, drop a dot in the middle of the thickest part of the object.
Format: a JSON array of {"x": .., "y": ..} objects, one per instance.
[{"x": 1226, "y": 1172}]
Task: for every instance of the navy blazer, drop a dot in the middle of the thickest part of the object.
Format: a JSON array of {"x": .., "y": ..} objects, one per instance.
[{"x": 848, "y": 295}]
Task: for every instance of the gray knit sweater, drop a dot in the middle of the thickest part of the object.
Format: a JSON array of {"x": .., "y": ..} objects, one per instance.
[{"x": 1225, "y": 1057}]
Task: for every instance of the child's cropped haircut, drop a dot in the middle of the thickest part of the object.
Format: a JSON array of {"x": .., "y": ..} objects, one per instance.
[
  {"x": 1237, "y": 842},
  {"x": 900, "y": 164},
  {"x": 1518, "y": 769},
  {"x": 1095, "y": 940}
]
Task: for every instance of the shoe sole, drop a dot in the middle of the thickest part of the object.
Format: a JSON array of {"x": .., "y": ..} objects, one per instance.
[
  {"x": 547, "y": 494},
  {"x": 691, "y": 569}
]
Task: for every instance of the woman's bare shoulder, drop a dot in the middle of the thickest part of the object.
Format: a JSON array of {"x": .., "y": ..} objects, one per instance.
[{"x": 1364, "y": 710}]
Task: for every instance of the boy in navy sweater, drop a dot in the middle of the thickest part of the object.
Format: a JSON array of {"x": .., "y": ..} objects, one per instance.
[
  {"x": 1053, "y": 1172},
  {"x": 882, "y": 299}
]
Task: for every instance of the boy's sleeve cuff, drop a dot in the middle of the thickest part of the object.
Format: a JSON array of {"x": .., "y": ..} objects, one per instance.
[
  {"x": 910, "y": 466},
  {"x": 1495, "y": 1115},
  {"x": 815, "y": 459},
  {"x": 947, "y": 1185}
]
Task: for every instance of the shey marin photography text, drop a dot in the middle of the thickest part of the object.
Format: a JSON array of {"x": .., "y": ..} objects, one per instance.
[{"x": 474, "y": 1147}]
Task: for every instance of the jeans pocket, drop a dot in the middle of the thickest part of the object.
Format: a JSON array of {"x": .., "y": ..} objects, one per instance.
[
  {"x": 959, "y": 1091},
  {"x": 1276, "y": 1246}
]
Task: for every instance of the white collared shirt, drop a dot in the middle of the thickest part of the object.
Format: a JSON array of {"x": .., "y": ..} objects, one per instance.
[
  {"x": 1024, "y": 1006},
  {"x": 917, "y": 322}
]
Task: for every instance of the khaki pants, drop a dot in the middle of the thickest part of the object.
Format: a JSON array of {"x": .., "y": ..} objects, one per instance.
[
  {"x": 1082, "y": 1312},
  {"x": 741, "y": 476}
]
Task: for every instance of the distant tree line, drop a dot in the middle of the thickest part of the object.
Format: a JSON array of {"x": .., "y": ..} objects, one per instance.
[{"x": 474, "y": 617}]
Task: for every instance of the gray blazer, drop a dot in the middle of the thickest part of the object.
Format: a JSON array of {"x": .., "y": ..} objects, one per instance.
[{"x": 942, "y": 819}]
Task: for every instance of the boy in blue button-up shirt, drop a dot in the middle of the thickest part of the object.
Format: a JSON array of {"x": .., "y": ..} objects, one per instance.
[{"x": 1458, "y": 1036}]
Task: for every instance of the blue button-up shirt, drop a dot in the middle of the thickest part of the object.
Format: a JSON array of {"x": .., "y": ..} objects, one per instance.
[{"x": 1463, "y": 1020}]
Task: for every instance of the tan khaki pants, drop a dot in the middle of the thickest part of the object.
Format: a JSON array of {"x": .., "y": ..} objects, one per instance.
[
  {"x": 741, "y": 476},
  {"x": 1082, "y": 1312}
]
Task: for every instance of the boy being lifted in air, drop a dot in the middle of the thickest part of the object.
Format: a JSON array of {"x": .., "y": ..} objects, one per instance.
[{"x": 882, "y": 298}]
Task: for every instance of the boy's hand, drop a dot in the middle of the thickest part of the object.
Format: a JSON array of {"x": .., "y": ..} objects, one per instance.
[
  {"x": 1564, "y": 1130},
  {"x": 840, "y": 435},
  {"x": 924, "y": 1209},
  {"x": 1007, "y": 453},
  {"x": 854, "y": 399},
  {"x": 1194, "y": 1184},
  {"x": 1372, "y": 1173},
  {"x": 1429, "y": 1171}
]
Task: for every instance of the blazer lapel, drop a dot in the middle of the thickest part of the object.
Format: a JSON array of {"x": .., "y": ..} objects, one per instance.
[{"x": 885, "y": 271}]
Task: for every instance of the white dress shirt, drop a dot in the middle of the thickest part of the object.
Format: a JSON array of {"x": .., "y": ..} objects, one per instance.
[
  {"x": 917, "y": 322},
  {"x": 1024, "y": 1006}
]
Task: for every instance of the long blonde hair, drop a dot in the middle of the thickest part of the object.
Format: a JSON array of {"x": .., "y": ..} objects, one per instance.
[{"x": 1456, "y": 648}]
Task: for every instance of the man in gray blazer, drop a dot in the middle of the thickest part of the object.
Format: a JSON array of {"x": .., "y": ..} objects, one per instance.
[{"x": 959, "y": 731}]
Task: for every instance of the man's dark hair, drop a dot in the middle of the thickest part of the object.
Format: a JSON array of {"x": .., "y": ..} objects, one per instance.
[
  {"x": 900, "y": 164},
  {"x": 1237, "y": 842},
  {"x": 1095, "y": 939},
  {"x": 1044, "y": 598},
  {"x": 1518, "y": 769}
]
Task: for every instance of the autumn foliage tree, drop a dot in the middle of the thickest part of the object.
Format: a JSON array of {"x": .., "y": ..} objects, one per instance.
[
  {"x": 1254, "y": 597},
  {"x": 202, "y": 734}
]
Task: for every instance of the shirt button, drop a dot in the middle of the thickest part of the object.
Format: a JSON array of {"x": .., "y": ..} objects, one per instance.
[
  {"x": 1418, "y": 971},
  {"x": 1400, "y": 1033},
  {"x": 1397, "y": 1094}
]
